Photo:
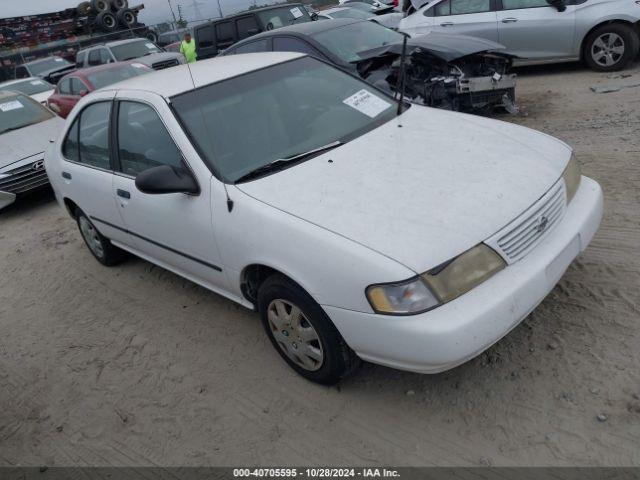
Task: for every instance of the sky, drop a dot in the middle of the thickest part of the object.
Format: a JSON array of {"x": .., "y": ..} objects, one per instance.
[{"x": 155, "y": 11}]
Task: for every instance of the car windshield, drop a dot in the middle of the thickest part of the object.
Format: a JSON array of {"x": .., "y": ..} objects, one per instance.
[
  {"x": 247, "y": 122},
  {"x": 350, "y": 13},
  {"x": 115, "y": 74},
  {"x": 349, "y": 41},
  {"x": 54, "y": 63},
  {"x": 131, "y": 50},
  {"x": 281, "y": 17},
  {"x": 18, "y": 111},
  {"x": 31, "y": 86}
]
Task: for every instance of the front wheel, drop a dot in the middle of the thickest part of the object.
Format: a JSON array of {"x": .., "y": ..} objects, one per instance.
[
  {"x": 611, "y": 47},
  {"x": 302, "y": 333}
]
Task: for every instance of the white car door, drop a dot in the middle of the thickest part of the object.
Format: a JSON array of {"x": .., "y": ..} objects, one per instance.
[
  {"x": 533, "y": 29},
  {"x": 476, "y": 18},
  {"x": 86, "y": 170},
  {"x": 174, "y": 230}
]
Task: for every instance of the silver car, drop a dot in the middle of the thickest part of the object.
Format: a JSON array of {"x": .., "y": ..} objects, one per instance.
[
  {"x": 603, "y": 33},
  {"x": 139, "y": 49},
  {"x": 25, "y": 130}
]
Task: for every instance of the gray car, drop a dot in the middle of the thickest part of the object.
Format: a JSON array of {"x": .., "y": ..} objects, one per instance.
[
  {"x": 26, "y": 127},
  {"x": 603, "y": 33},
  {"x": 141, "y": 50}
]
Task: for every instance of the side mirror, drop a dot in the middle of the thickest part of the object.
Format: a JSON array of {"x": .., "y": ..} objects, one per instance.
[
  {"x": 165, "y": 179},
  {"x": 561, "y": 5},
  {"x": 314, "y": 17}
]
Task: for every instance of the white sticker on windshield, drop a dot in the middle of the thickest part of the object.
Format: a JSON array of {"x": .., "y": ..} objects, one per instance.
[
  {"x": 58, "y": 60},
  {"x": 367, "y": 103},
  {"x": 8, "y": 106},
  {"x": 37, "y": 82},
  {"x": 296, "y": 12},
  {"x": 150, "y": 45}
]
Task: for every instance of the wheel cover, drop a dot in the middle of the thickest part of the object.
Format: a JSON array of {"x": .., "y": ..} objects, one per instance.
[
  {"x": 92, "y": 237},
  {"x": 295, "y": 335},
  {"x": 608, "y": 49}
]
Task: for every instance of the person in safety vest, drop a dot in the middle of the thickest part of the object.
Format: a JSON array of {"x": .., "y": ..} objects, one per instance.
[{"x": 188, "y": 48}]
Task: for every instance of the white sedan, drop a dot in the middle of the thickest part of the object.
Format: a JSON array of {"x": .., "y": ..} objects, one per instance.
[
  {"x": 413, "y": 238},
  {"x": 38, "y": 89}
]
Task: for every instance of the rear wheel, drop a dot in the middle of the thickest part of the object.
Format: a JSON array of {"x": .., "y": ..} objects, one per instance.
[
  {"x": 100, "y": 5},
  {"x": 107, "y": 21},
  {"x": 99, "y": 246},
  {"x": 611, "y": 47},
  {"x": 302, "y": 333}
]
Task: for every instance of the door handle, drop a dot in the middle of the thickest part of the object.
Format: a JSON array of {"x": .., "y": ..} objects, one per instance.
[
  {"x": 509, "y": 20},
  {"x": 66, "y": 175},
  {"x": 447, "y": 24},
  {"x": 123, "y": 194}
]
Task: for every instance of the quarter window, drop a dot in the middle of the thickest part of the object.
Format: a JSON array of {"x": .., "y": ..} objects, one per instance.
[
  {"x": 136, "y": 121},
  {"x": 94, "y": 135},
  {"x": 253, "y": 47},
  {"x": 289, "y": 44},
  {"x": 70, "y": 147},
  {"x": 518, "y": 4},
  {"x": 462, "y": 7}
]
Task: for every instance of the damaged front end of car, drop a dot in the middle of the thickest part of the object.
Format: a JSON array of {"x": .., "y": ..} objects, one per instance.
[{"x": 445, "y": 71}]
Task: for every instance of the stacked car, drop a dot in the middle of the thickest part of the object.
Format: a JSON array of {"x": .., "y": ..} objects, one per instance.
[{"x": 108, "y": 15}]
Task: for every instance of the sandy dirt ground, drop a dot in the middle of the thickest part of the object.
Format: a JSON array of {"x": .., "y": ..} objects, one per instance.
[{"x": 136, "y": 366}]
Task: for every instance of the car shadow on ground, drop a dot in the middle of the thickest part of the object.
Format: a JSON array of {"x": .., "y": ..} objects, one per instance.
[{"x": 28, "y": 203}]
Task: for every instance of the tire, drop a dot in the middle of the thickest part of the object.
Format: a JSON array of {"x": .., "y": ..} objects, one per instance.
[
  {"x": 120, "y": 4},
  {"x": 83, "y": 9},
  {"x": 99, "y": 6},
  {"x": 107, "y": 21},
  {"x": 309, "y": 343},
  {"x": 99, "y": 246},
  {"x": 611, "y": 47},
  {"x": 126, "y": 18},
  {"x": 152, "y": 36}
]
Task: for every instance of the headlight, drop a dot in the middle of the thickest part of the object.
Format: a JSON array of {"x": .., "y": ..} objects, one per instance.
[
  {"x": 439, "y": 286},
  {"x": 572, "y": 176}
]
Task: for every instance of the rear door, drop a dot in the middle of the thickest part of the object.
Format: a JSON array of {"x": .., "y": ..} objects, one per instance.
[
  {"x": 225, "y": 33},
  {"x": 205, "y": 41},
  {"x": 532, "y": 29},
  {"x": 174, "y": 230},
  {"x": 87, "y": 171},
  {"x": 476, "y": 18}
]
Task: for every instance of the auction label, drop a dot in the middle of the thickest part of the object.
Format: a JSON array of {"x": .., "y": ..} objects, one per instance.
[
  {"x": 367, "y": 103},
  {"x": 296, "y": 12},
  {"x": 13, "y": 105}
]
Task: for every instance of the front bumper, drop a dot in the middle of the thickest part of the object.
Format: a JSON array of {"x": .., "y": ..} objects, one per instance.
[
  {"x": 459, "y": 331},
  {"x": 22, "y": 177}
]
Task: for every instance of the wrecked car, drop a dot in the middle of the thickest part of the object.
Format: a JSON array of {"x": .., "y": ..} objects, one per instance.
[{"x": 453, "y": 72}]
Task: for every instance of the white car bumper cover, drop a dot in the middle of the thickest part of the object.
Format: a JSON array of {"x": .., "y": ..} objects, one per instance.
[{"x": 454, "y": 333}]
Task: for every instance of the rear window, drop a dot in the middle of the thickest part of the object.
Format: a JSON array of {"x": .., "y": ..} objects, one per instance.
[
  {"x": 131, "y": 50},
  {"x": 281, "y": 17},
  {"x": 53, "y": 63},
  {"x": 31, "y": 87},
  {"x": 110, "y": 76}
]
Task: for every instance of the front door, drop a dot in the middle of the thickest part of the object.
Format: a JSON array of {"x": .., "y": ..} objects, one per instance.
[
  {"x": 174, "y": 230},
  {"x": 532, "y": 29}
]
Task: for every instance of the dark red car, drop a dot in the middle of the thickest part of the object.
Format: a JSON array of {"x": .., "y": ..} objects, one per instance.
[{"x": 76, "y": 85}]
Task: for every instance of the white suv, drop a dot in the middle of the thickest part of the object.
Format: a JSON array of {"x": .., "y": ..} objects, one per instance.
[
  {"x": 356, "y": 228},
  {"x": 603, "y": 33}
]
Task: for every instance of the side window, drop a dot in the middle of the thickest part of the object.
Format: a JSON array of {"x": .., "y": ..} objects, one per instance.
[
  {"x": 21, "y": 72},
  {"x": 205, "y": 37},
  {"x": 94, "y": 135},
  {"x": 80, "y": 58},
  {"x": 136, "y": 121},
  {"x": 224, "y": 33},
  {"x": 518, "y": 4},
  {"x": 253, "y": 47},
  {"x": 70, "y": 147},
  {"x": 290, "y": 44},
  {"x": 77, "y": 86},
  {"x": 105, "y": 56},
  {"x": 462, "y": 7},
  {"x": 247, "y": 26},
  {"x": 64, "y": 87},
  {"x": 442, "y": 9},
  {"x": 94, "y": 58}
]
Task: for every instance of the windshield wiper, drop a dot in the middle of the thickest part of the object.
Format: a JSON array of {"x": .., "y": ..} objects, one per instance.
[{"x": 281, "y": 162}]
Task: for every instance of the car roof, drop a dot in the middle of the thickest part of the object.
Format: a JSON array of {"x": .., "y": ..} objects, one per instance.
[
  {"x": 115, "y": 43},
  {"x": 308, "y": 28},
  {"x": 183, "y": 78}
]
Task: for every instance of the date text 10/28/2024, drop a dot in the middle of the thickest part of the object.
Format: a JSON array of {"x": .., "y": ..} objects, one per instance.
[{"x": 315, "y": 473}]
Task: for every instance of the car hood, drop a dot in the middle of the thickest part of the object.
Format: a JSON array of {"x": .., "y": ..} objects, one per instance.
[
  {"x": 42, "y": 97},
  {"x": 28, "y": 141},
  {"x": 448, "y": 47},
  {"x": 149, "y": 60},
  {"x": 424, "y": 193}
]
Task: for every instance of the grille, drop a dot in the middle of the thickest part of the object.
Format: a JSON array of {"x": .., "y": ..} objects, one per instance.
[
  {"x": 527, "y": 232},
  {"x": 24, "y": 179},
  {"x": 165, "y": 64}
]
